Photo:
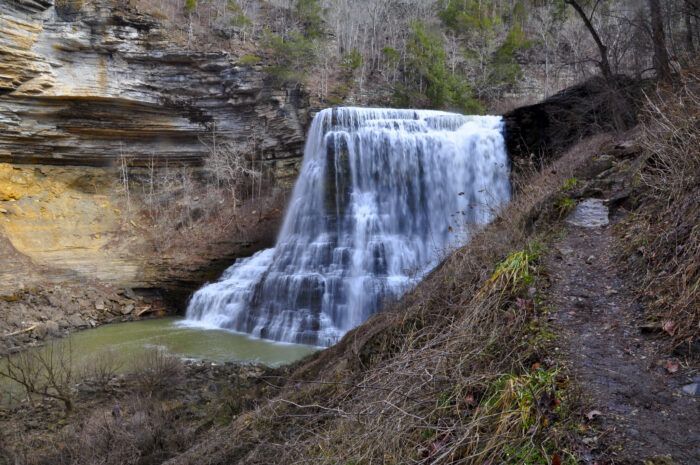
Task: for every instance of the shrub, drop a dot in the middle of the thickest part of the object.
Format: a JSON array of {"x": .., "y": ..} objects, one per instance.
[
  {"x": 158, "y": 372},
  {"x": 565, "y": 205},
  {"x": 310, "y": 14},
  {"x": 352, "y": 60},
  {"x": 102, "y": 368},
  {"x": 145, "y": 432},
  {"x": 249, "y": 60},
  {"x": 291, "y": 56},
  {"x": 46, "y": 372}
]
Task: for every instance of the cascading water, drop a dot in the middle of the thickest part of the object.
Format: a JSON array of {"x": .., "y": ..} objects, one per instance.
[{"x": 382, "y": 196}]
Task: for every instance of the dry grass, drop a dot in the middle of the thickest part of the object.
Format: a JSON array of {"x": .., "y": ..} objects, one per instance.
[
  {"x": 665, "y": 229},
  {"x": 451, "y": 374},
  {"x": 139, "y": 431}
]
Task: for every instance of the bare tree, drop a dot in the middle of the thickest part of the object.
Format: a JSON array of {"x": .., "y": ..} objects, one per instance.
[
  {"x": 45, "y": 372},
  {"x": 604, "y": 63},
  {"x": 661, "y": 60},
  {"x": 690, "y": 13}
]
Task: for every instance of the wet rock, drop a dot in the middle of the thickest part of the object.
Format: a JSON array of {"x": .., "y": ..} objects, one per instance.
[
  {"x": 130, "y": 294},
  {"x": 692, "y": 389},
  {"x": 591, "y": 213},
  {"x": 625, "y": 149},
  {"x": 597, "y": 166},
  {"x": 126, "y": 310},
  {"x": 76, "y": 321},
  {"x": 54, "y": 301}
]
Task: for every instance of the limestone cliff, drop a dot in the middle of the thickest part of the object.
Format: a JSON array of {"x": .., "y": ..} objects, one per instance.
[{"x": 87, "y": 85}]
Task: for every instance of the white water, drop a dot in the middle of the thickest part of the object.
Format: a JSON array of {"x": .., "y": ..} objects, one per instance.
[{"x": 382, "y": 196}]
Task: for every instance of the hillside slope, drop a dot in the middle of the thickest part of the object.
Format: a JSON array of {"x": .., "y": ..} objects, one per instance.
[{"x": 502, "y": 355}]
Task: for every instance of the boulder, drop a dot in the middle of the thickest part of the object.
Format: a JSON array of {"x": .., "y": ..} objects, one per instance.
[
  {"x": 76, "y": 321},
  {"x": 52, "y": 328},
  {"x": 127, "y": 309},
  {"x": 40, "y": 330}
]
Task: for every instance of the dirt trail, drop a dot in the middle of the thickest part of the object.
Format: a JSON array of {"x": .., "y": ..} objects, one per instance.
[{"x": 621, "y": 371}]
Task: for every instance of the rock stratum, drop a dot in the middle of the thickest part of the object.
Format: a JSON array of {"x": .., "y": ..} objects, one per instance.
[{"x": 85, "y": 86}]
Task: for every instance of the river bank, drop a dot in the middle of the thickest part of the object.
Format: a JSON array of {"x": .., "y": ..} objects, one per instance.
[{"x": 30, "y": 315}]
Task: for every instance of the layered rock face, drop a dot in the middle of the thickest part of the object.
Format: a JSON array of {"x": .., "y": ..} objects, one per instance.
[{"x": 87, "y": 86}]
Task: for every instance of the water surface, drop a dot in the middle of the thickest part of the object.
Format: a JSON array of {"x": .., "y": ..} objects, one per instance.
[{"x": 125, "y": 344}]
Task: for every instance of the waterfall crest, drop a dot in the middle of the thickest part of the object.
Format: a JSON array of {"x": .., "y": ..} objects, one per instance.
[{"x": 382, "y": 196}]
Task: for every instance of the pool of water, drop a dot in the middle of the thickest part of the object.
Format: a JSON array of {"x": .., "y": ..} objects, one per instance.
[
  {"x": 128, "y": 340},
  {"x": 126, "y": 343}
]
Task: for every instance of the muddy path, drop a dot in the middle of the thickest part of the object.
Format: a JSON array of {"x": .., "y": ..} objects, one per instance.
[{"x": 633, "y": 387}]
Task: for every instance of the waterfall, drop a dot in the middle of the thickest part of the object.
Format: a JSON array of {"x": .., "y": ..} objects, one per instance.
[{"x": 382, "y": 196}]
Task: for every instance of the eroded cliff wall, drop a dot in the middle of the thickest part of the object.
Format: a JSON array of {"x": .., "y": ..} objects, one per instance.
[{"x": 86, "y": 86}]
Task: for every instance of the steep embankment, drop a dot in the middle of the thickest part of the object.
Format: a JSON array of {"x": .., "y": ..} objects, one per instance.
[
  {"x": 503, "y": 355},
  {"x": 99, "y": 113}
]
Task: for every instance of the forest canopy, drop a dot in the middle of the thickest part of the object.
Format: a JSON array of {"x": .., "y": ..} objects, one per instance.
[{"x": 455, "y": 54}]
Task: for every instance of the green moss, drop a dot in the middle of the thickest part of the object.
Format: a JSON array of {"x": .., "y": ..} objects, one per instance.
[
  {"x": 249, "y": 60},
  {"x": 540, "y": 337}
]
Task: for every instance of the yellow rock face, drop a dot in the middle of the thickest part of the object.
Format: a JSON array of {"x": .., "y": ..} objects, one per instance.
[{"x": 68, "y": 218}]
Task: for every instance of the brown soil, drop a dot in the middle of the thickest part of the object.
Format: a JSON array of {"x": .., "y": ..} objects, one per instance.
[{"x": 623, "y": 373}]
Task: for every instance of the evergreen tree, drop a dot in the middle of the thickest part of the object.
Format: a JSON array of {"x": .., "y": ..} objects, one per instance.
[{"x": 429, "y": 82}]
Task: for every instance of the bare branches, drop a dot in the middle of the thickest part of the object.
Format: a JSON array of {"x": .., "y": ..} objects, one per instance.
[
  {"x": 45, "y": 372},
  {"x": 663, "y": 235},
  {"x": 179, "y": 204},
  {"x": 604, "y": 63}
]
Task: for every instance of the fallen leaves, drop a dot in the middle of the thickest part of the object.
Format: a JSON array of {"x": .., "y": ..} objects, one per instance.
[
  {"x": 669, "y": 327},
  {"x": 671, "y": 366}
]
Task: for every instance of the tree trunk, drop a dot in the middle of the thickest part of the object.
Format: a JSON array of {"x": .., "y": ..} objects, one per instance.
[
  {"x": 661, "y": 61},
  {"x": 604, "y": 63},
  {"x": 690, "y": 7}
]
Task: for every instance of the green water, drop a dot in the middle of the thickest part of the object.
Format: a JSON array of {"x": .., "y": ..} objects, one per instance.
[
  {"x": 129, "y": 340},
  {"x": 126, "y": 343}
]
